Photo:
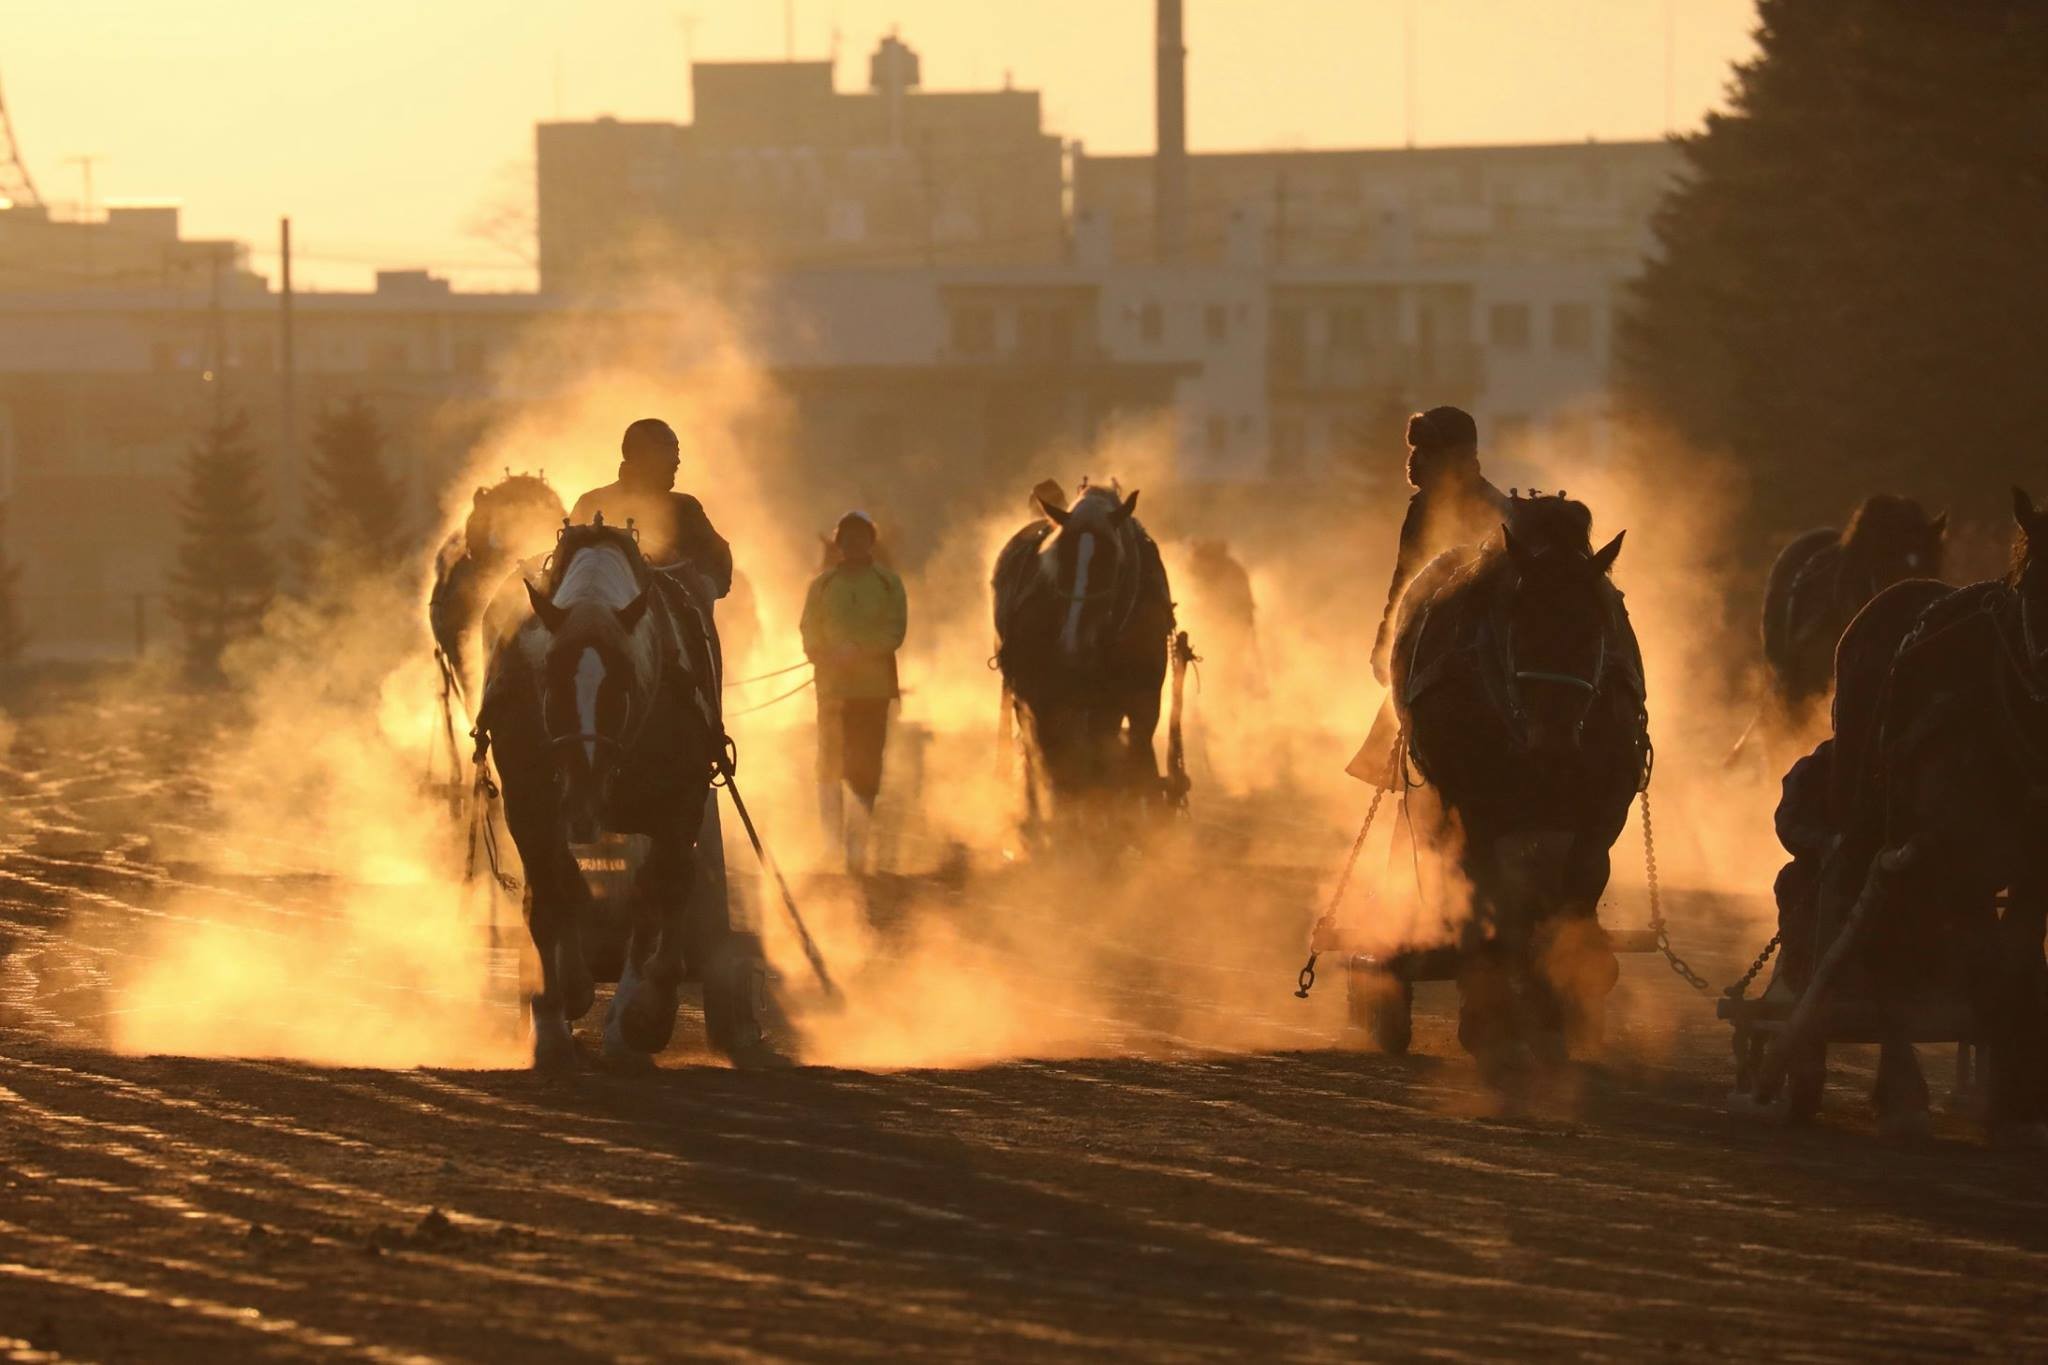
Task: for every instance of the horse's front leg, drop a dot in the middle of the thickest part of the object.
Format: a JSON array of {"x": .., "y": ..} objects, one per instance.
[
  {"x": 644, "y": 1009},
  {"x": 554, "y": 894}
]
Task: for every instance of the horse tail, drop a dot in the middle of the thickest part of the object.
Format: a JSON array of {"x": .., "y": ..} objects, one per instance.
[{"x": 1785, "y": 570}]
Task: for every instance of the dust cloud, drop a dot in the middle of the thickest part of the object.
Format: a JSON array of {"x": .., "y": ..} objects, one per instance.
[{"x": 964, "y": 948}]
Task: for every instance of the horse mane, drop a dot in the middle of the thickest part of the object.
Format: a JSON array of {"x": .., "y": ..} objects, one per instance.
[
  {"x": 1881, "y": 515},
  {"x": 1540, "y": 523},
  {"x": 572, "y": 540}
]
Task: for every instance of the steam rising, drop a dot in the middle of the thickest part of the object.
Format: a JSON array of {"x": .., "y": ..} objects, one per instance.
[{"x": 965, "y": 951}]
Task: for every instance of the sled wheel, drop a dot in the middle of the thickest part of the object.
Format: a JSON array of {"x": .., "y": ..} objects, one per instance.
[{"x": 1383, "y": 1005}]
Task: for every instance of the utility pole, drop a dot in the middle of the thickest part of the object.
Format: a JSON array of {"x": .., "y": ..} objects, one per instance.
[{"x": 287, "y": 371}]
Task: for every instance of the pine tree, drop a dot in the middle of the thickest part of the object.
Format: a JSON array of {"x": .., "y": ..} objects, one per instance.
[
  {"x": 1849, "y": 289},
  {"x": 226, "y": 574},
  {"x": 355, "y": 506}
]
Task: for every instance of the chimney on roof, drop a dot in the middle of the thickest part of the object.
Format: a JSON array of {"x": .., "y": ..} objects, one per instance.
[{"x": 1170, "y": 158}]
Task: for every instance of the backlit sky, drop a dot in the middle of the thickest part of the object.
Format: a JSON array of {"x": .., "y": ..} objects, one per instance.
[{"x": 385, "y": 128}]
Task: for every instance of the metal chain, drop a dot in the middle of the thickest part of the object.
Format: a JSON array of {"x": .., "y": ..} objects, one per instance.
[
  {"x": 1307, "y": 978},
  {"x": 1658, "y": 928},
  {"x": 1736, "y": 991}
]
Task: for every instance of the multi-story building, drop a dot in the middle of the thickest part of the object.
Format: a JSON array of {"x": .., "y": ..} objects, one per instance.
[
  {"x": 781, "y": 170},
  {"x": 1482, "y": 276}
]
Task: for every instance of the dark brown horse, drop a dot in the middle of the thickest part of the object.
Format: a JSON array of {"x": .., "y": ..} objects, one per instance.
[
  {"x": 598, "y": 725},
  {"x": 1083, "y": 616},
  {"x": 1822, "y": 579},
  {"x": 1942, "y": 793},
  {"x": 1519, "y": 687},
  {"x": 508, "y": 521}
]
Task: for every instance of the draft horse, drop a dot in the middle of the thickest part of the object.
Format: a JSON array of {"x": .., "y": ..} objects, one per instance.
[
  {"x": 1519, "y": 686},
  {"x": 598, "y": 725},
  {"x": 1084, "y": 616}
]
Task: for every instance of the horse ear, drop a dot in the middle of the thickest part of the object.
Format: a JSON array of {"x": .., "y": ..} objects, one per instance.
[
  {"x": 1514, "y": 547},
  {"x": 550, "y": 615},
  {"x": 1940, "y": 524},
  {"x": 1604, "y": 557},
  {"x": 2022, "y": 506},
  {"x": 1130, "y": 505},
  {"x": 631, "y": 614},
  {"x": 1058, "y": 515}
]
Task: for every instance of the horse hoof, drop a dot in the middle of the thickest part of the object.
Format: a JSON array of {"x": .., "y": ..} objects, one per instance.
[
  {"x": 648, "y": 1021},
  {"x": 622, "y": 1060},
  {"x": 759, "y": 1055},
  {"x": 1908, "y": 1126},
  {"x": 554, "y": 1051}
]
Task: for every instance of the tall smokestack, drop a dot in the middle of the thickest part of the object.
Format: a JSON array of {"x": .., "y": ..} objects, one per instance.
[{"x": 1170, "y": 160}]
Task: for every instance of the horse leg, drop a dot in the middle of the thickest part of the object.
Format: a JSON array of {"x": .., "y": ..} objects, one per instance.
[
  {"x": 646, "y": 1006},
  {"x": 1486, "y": 1011},
  {"x": 2016, "y": 1092},
  {"x": 552, "y": 900}
]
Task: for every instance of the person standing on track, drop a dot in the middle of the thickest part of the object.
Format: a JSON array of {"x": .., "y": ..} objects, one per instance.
[
  {"x": 855, "y": 617},
  {"x": 1453, "y": 506}
]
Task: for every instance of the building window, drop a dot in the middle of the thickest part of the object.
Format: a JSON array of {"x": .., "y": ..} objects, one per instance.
[
  {"x": 1290, "y": 341},
  {"x": 1571, "y": 327},
  {"x": 1216, "y": 324},
  {"x": 1219, "y": 436},
  {"x": 1151, "y": 323},
  {"x": 974, "y": 330},
  {"x": 1045, "y": 333},
  {"x": 1347, "y": 328},
  {"x": 1508, "y": 325},
  {"x": 1290, "y": 446}
]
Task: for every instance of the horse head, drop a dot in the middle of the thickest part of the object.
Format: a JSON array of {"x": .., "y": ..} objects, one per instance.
[
  {"x": 2029, "y": 579},
  {"x": 596, "y": 680},
  {"x": 511, "y": 518},
  {"x": 1084, "y": 564},
  {"x": 1559, "y": 618},
  {"x": 1891, "y": 539}
]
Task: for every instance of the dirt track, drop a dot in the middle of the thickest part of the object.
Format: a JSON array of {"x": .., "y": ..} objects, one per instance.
[{"x": 1160, "y": 1201}]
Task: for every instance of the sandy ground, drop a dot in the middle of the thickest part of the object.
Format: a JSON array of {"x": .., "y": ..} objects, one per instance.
[{"x": 1156, "y": 1198}]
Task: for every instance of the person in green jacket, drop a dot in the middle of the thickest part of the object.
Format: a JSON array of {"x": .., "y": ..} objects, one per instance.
[{"x": 855, "y": 616}]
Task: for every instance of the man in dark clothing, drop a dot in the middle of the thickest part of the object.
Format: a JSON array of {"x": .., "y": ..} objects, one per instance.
[
  {"x": 1806, "y": 830},
  {"x": 1453, "y": 505},
  {"x": 692, "y": 562},
  {"x": 673, "y": 528}
]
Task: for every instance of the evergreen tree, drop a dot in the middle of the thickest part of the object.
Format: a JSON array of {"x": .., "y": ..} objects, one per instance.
[
  {"x": 355, "y": 505},
  {"x": 1850, "y": 288},
  {"x": 226, "y": 574}
]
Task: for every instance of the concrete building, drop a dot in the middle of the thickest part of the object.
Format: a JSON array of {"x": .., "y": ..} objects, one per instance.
[
  {"x": 133, "y": 246},
  {"x": 1482, "y": 276},
  {"x": 781, "y": 170}
]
